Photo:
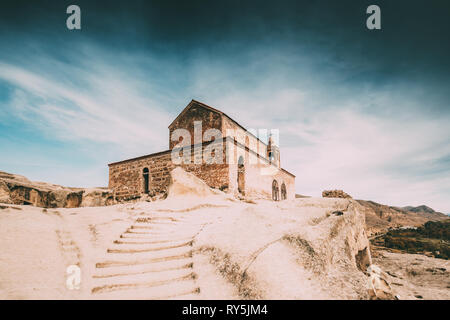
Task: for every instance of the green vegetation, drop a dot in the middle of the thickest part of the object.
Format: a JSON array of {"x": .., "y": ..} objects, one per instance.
[{"x": 433, "y": 237}]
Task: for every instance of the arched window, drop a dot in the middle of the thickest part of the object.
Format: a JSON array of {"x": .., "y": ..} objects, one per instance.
[
  {"x": 241, "y": 175},
  {"x": 275, "y": 195},
  {"x": 145, "y": 174},
  {"x": 283, "y": 192}
]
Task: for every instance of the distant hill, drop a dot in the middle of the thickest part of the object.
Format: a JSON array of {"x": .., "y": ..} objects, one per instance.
[
  {"x": 425, "y": 211},
  {"x": 420, "y": 209},
  {"x": 380, "y": 217}
]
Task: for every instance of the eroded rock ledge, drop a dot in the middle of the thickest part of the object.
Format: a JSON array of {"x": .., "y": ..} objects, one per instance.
[{"x": 16, "y": 189}]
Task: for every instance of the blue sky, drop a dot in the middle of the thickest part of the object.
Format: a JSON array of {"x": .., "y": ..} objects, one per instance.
[{"x": 363, "y": 111}]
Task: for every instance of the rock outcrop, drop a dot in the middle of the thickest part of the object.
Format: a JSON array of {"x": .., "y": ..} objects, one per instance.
[
  {"x": 16, "y": 189},
  {"x": 378, "y": 286},
  {"x": 185, "y": 184},
  {"x": 335, "y": 194},
  {"x": 293, "y": 250}
]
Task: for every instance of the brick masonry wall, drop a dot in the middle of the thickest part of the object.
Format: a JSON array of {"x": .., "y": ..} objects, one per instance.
[
  {"x": 240, "y": 134},
  {"x": 208, "y": 118},
  {"x": 126, "y": 178}
]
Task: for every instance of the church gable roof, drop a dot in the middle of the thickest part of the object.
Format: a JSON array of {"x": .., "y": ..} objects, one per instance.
[
  {"x": 203, "y": 105},
  {"x": 192, "y": 104}
]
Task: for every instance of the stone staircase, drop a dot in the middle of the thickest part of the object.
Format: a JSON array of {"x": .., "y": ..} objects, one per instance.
[{"x": 152, "y": 259}]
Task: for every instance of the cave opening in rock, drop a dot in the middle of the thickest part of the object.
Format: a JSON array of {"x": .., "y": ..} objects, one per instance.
[{"x": 362, "y": 259}]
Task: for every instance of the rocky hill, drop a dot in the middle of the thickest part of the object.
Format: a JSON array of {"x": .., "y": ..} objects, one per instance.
[
  {"x": 425, "y": 211},
  {"x": 380, "y": 217},
  {"x": 422, "y": 208}
]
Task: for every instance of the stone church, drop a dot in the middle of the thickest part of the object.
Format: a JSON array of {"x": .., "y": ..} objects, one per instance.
[{"x": 246, "y": 165}]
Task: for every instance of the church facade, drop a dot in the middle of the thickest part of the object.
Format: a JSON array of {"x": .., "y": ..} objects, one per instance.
[{"x": 209, "y": 144}]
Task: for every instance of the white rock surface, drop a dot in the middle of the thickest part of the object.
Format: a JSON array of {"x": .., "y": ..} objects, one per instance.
[
  {"x": 196, "y": 244},
  {"x": 378, "y": 285}
]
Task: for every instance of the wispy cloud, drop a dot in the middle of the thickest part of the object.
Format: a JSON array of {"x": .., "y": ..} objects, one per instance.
[
  {"x": 104, "y": 109},
  {"x": 95, "y": 110},
  {"x": 375, "y": 142},
  {"x": 380, "y": 143}
]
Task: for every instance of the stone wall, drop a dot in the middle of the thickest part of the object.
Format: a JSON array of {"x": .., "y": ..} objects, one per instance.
[
  {"x": 259, "y": 174},
  {"x": 126, "y": 178},
  {"x": 127, "y": 181},
  {"x": 213, "y": 120},
  {"x": 243, "y": 137},
  {"x": 209, "y": 119}
]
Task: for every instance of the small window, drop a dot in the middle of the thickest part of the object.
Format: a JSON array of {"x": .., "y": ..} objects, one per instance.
[
  {"x": 283, "y": 192},
  {"x": 146, "y": 180},
  {"x": 275, "y": 191},
  {"x": 241, "y": 162}
]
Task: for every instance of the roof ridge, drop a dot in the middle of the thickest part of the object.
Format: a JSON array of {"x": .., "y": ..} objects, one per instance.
[{"x": 218, "y": 111}]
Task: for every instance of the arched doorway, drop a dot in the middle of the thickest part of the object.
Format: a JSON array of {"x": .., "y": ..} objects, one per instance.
[
  {"x": 283, "y": 192},
  {"x": 241, "y": 175},
  {"x": 146, "y": 180},
  {"x": 275, "y": 196}
]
